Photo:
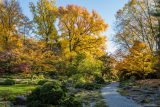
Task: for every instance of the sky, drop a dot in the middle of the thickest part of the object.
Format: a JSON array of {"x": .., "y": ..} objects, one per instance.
[{"x": 106, "y": 8}]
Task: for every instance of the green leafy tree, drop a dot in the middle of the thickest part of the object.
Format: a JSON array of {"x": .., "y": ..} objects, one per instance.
[{"x": 90, "y": 68}]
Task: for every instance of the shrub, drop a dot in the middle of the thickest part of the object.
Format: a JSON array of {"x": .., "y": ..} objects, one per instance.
[
  {"x": 5, "y": 95},
  {"x": 92, "y": 86},
  {"x": 37, "y": 76},
  {"x": 51, "y": 93},
  {"x": 72, "y": 102},
  {"x": 99, "y": 80},
  {"x": 41, "y": 82},
  {"x": 132, "y": 78},
  {"x": 8, "y": 82},
  {"x": 38, "y": 104},
  {"x": 71, "y": 69},
  {"x": 79, "y": 85},
  {"x": 88, "y": 86}
]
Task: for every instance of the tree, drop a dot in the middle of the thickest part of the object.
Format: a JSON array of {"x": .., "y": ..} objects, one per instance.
[
  {"x": 90, "y": 67},
  {"x": 108, "y": 66},
  {"x": 156, "y": 14},
  {"x": 79, "y": 31},
  {"x": 138, "y": 63},
  {"x": 134, "y": 22},
  {"x": 44, "y": 17},
  {"x": 11, "y": 19}
]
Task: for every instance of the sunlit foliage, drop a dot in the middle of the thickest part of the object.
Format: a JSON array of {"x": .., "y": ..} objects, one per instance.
[{"x": 71, "y": 48}]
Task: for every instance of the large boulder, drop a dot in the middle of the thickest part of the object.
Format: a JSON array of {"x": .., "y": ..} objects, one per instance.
[{"x": 20, "y": 100}]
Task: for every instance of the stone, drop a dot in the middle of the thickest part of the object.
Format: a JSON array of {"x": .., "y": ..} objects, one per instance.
[
  {"x": 149, "y": 105},
  {"x": 157, "y": 102},
  {"x": 127, "y": 87},
  {"x": 6, "y": 104},
  {"x": 138, "y": 99},
  {"x": 155, "y": 87},
  {"x": 148, "y": 91},
  {"x": 146, "y": 100},
  {"x": 20, "y": 100},
  {"x": 158, "y": 91},
  {"x": 135, "y": 89}
]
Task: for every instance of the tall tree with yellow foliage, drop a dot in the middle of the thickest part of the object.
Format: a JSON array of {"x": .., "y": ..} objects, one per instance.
[
  {"x": 11, "y": 19},
  {"x": 44, "y": 17},
  {"x": 81, "y": 31},
  {"x": 139, "y": 62}
]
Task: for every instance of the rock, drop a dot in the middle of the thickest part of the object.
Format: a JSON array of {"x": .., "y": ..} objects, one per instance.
[
  {"x": 148, "y": 91},
  {"x": 6, "y": 104},
  {"x": 20, "y": 100},
  {"x": 138, "y": 99},
  {"x": 135, "y": 89},
  {"x": 135, "y": 96},
  {"x": 146, "y": 100},
  {"x": 92, "y": 104},
  {"x": 127, "y": 87},
  {"x": 157, "y": 102},
  {"x": 128, "y": 97},
  {"x": 149, "y": 105},
  {"x": 155, "y": 87},
  {"x": 158, "y": 91}
]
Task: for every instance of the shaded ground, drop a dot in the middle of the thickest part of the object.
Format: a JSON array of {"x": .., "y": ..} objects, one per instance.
[
  {"x": 144, "y": 92},
  {"x": 149, "y": 82},
  {"x": 114, "y": 99}
]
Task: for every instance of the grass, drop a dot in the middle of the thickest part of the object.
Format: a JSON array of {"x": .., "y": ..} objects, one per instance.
[
  {"x": 25, "y": 86},
  {"x": 10, "y": 91}
]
